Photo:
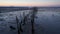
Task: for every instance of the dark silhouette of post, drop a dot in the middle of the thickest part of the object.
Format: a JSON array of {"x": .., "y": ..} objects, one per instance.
[
  {"x": 34, "y": 11},
  {"x": 32, "y": 18},
  {"x": 19, "y": 26},
  {"x": 17, "y": 21}
]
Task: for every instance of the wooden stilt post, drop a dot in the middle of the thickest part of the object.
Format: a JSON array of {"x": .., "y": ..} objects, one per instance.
[
  {"x": 17, "y": 21},
  {"x": 32, "y": 18}
]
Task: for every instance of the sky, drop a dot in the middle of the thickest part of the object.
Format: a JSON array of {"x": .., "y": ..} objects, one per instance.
[{"x": 29, "y": 2}]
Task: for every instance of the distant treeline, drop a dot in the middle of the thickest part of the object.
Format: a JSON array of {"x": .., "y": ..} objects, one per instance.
[
  {"x": 12, "y": 8},
  {"x": 7, "y": 9}
]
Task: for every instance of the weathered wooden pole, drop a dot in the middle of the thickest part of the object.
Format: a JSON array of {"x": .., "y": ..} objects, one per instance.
[
  {"x": 32, "y": 18},
  {"x": 17, "y": 21}
]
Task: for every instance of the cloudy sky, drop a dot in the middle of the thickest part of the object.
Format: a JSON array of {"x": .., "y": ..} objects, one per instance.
[{"x": 29, "y": 2}]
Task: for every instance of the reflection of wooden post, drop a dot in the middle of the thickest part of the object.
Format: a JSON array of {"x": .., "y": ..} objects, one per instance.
[{"x": 32, "y": 18}]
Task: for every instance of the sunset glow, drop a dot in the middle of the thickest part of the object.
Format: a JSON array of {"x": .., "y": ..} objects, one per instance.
[{"x": 29, "y": 2}]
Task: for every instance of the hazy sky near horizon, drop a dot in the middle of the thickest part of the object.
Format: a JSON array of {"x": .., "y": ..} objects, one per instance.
[{"x": 29, "y": 2}]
